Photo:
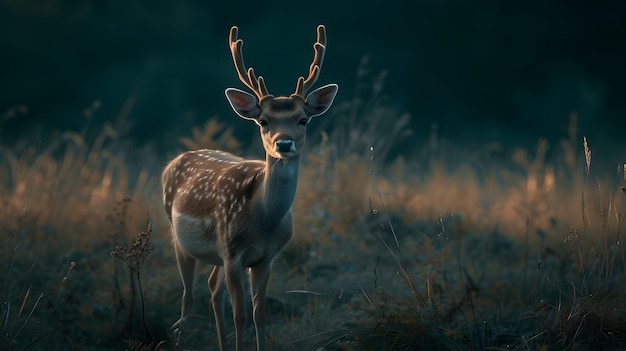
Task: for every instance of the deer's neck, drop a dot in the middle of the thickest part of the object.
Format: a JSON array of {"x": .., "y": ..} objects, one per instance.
[{"x": 279, "y": 187}]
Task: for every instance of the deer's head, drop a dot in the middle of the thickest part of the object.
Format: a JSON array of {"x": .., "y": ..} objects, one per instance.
[{"x": 282, "y": 120}]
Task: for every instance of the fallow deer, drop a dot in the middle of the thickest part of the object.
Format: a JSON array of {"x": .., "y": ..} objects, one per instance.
[{"x": 236, "y": 214}]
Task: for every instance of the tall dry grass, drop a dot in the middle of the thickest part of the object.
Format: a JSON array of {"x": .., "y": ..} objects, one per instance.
[{"x": 389, "y": 252}]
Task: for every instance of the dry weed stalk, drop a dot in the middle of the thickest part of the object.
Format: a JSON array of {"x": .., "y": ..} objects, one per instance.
[{"x": 134, "y": 259}]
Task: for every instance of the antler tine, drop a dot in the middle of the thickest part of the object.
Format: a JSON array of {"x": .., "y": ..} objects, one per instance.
[
  {"x": 258, "y": 84},
  {"x": 319, "y": 47},
  {"x": 321, "y": 34},
  {"x": 247, "y": 77}
]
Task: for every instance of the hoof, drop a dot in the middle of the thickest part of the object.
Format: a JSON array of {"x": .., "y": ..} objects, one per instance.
[{"x": 176, "y": 331}]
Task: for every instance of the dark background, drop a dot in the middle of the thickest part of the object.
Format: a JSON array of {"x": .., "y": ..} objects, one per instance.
[{"x": 505, "y": 71}]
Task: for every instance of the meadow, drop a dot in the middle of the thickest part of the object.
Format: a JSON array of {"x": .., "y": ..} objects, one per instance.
[{"x": 493, "y": 250}]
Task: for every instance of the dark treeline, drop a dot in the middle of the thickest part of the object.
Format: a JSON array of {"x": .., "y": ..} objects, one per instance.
[{"x": 482, "y": 71}]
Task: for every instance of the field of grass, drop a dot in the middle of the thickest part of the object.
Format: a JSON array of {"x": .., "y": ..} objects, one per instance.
[{"x": 519, "y": 251}]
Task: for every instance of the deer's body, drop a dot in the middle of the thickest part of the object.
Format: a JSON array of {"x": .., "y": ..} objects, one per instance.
[
  {"x": 236, "y": 187},
  {"x": 233, "y": 213}
]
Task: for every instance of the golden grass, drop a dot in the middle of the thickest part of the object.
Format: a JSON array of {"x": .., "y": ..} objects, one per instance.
[
  {"x": 386, "y": 254},
  {"x": 64, "y": 191}
]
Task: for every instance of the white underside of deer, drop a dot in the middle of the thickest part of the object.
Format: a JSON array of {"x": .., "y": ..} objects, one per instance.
[{"x": 236, "y": 214}]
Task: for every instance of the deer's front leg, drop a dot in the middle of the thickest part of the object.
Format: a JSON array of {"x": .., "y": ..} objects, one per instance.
[
  {"x": 234, "y": 274},
  {"x": 259, "y": 276},
  {"x": 216, "y": 285}
]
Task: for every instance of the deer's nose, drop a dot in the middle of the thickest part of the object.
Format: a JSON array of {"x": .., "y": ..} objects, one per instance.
[{"x": 284, "y": 146}]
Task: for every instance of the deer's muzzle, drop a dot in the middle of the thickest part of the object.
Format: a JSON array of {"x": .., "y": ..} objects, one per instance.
[{"x": 285, "y": 146}]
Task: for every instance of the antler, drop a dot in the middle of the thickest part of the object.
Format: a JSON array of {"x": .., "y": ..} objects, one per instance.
[
  {"x": 314, "y": 70},
  {"x": 247, "y": 77}
]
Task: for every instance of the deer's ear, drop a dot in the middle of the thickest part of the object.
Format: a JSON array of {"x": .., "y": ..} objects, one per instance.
[
  {"x": 244, "y": 104},
  {"x": 320, "y": 99}
]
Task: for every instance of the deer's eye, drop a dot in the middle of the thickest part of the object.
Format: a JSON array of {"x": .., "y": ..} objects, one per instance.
[{"x": 303, "y": 122}]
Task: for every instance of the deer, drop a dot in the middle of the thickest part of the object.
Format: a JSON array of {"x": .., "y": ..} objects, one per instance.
[{"x": 236, "y": 214}]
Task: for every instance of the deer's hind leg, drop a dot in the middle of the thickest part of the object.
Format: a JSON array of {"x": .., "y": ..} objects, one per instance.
[{"x": 187, "y": 270}]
